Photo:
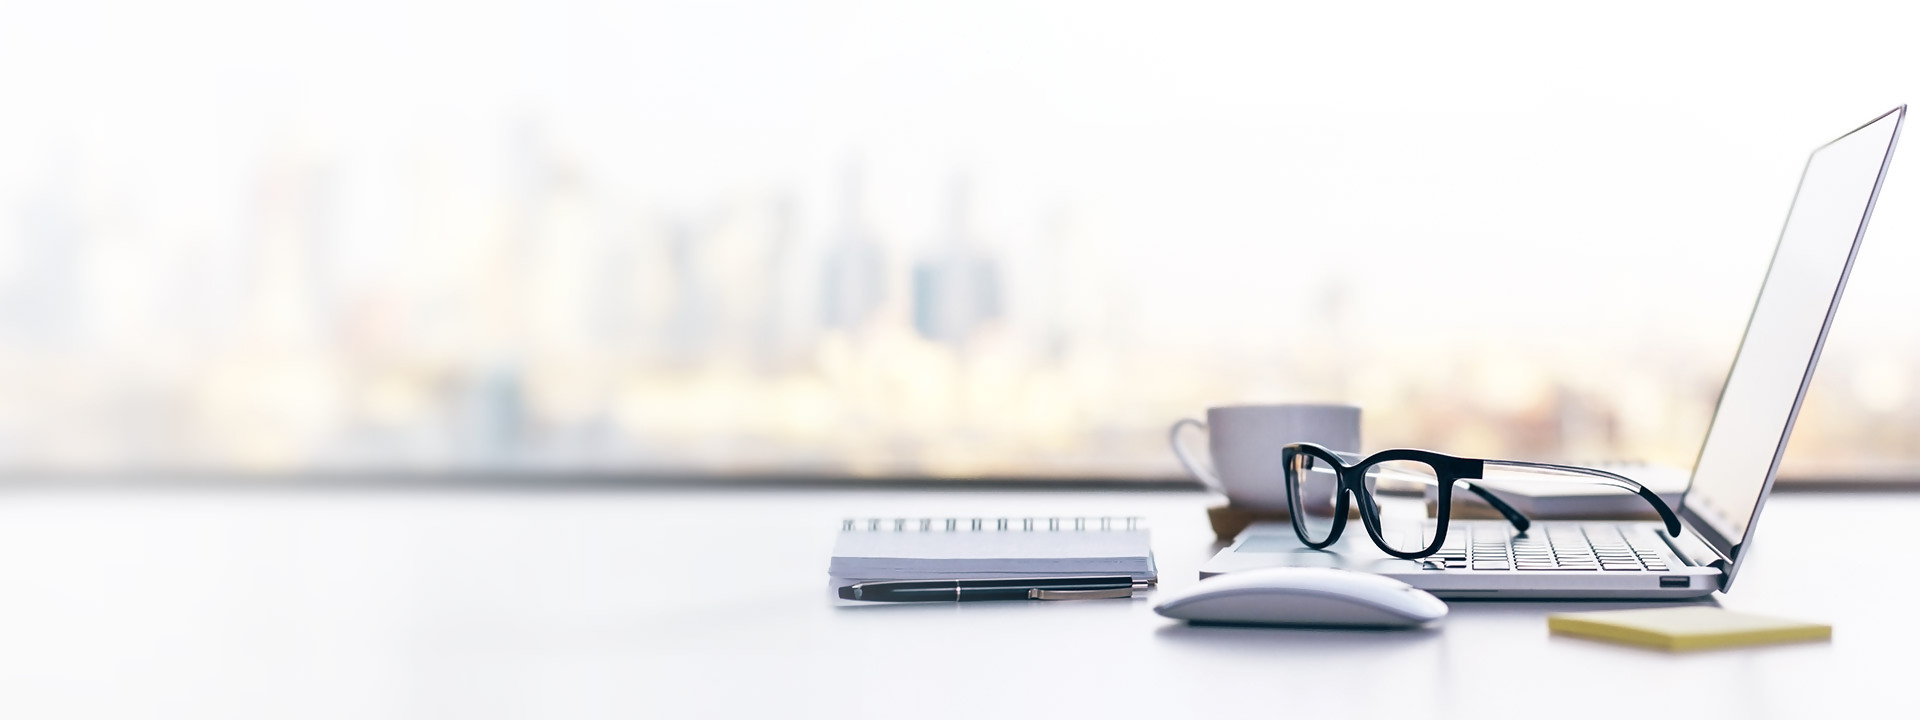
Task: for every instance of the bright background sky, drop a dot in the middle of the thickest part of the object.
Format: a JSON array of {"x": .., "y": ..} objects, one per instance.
[{"x": 1538, "y": 191}]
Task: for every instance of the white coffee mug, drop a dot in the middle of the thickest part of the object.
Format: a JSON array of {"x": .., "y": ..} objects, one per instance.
[{"x": 1244, "y": 442}]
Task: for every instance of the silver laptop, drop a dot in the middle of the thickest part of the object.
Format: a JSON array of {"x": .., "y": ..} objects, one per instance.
[{"x": 1737, "y": 461}]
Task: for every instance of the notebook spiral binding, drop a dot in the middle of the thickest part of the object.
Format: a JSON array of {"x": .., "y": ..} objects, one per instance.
[{"x": 998, "y": 524}]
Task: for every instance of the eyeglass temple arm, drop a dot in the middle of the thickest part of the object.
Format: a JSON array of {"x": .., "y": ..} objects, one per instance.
[
  {"x": 1520, "y": 521},
  {"x": 1659, "y": 506}
]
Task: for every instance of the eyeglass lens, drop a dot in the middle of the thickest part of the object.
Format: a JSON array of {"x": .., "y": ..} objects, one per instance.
[
  {"x": 1403, "y": 518},
  {"x": 1313, "y": 483}
]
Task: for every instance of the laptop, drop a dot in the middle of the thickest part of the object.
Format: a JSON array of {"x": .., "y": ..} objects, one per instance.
[{"x": 1737, "y": 462}]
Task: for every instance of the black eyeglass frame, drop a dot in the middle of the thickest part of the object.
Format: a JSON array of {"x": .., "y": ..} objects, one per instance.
[{"x": 1450, "y": 471}]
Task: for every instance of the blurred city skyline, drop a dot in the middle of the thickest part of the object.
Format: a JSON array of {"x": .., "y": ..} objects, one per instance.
[{"x": 824, "y": 238}]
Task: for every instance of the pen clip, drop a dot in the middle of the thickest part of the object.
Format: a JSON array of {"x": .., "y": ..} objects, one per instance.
[{"x": 1040, "y": 594}]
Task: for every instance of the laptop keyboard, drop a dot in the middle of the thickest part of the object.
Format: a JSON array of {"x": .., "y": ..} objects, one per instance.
[{"x": 1596, "y": 548}]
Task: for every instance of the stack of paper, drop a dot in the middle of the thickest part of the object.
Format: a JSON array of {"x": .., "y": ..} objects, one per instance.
[{"x": 1563, "y": 500}]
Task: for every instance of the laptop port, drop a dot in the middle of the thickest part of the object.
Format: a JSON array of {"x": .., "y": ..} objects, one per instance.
[{"x": 1673, "y": 581}]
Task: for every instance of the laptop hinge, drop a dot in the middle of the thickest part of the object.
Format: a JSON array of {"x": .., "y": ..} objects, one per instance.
[
  {"x": 1725, "y": 576},
  {"x": 1697, "y": 552}
]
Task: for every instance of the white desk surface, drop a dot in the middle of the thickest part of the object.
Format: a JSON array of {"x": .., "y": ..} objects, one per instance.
[{"x": 654, "y": 604}]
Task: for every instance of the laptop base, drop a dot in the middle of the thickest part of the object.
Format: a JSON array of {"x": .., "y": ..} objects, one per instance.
[{"x": 1655, "y": 571}]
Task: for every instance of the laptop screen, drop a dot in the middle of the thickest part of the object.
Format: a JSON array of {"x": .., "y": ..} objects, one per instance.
[{"x": 1789, "y": 323}]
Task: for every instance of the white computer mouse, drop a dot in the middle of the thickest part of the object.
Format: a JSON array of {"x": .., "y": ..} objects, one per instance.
[{"x": 1304, "y": 596}]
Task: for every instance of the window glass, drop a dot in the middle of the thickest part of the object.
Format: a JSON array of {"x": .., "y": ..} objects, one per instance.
[{"x": 975, "y": 239}]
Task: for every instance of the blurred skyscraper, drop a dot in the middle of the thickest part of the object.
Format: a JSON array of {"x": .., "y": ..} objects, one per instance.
[
  {"x": 853, "y": 285},
  {"x": 40, "y": 290},
  {"x": 956, "y": 290},
  {"x": 770, "y": 335}
]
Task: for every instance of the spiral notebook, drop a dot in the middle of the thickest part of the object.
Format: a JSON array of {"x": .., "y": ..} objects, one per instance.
[{"x": 945, "y": 548}]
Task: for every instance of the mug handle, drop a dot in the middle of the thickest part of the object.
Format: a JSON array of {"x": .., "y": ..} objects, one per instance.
[{"x": 1194, "y": 467}]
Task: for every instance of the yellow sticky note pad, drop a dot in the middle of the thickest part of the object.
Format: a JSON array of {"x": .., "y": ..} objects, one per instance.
[{"x": 1686, "y": 628}]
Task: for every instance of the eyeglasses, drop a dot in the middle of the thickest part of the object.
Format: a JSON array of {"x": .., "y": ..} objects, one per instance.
[{"x": 1320, "y": 481}]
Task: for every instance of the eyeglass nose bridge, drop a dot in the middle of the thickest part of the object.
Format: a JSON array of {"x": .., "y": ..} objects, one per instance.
[{"x": 1448, "y": 467}]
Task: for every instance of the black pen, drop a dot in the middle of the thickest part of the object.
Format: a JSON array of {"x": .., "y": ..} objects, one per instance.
[{"x": 1054, "y": 588}]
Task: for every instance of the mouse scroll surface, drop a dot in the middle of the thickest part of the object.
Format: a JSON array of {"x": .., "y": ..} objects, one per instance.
[{"x": 1304, "y": 597}]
